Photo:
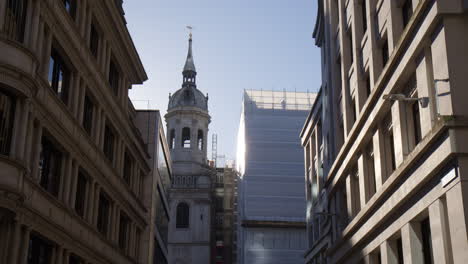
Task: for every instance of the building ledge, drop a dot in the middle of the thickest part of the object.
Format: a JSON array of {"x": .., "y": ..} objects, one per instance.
[{"x": 273, "y": 224}]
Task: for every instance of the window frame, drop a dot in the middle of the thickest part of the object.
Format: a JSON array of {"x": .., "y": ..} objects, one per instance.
[
  {"x": 182, "y": 215},
  {"x": 59, "y": 67}
]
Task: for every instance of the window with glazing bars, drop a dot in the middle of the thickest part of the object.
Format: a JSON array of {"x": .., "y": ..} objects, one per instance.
[
  {"x": 50, "y": 165},
  {"x": 7, "y": 118},
  {"x": 59, "y": 75},
  {"x": 15, "y": 19}
]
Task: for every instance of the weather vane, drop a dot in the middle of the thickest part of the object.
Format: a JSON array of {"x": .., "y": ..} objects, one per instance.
[{"x": 190, "y": 28}]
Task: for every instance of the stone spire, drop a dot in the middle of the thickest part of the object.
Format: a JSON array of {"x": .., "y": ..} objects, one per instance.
[{"x": 189, "y": 64}]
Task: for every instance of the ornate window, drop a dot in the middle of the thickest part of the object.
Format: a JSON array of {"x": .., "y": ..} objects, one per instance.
[
  {"x": 183, "y": 215},
  {"x": 186, "y": 137},
  {"x": 7, "y": 118},
  {"x": 15, "y": 19},
  {"x": 200, "y": 142}
]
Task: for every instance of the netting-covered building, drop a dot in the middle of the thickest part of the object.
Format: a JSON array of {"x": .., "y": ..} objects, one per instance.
[{"x": 271, "y": 188}]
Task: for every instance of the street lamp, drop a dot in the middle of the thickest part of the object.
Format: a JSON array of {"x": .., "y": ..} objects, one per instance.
[{"x": 424, "y": 101}]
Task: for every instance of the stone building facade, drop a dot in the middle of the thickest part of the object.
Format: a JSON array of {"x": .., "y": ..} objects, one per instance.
[
  {"x": 386, "y": 142},
  {"x": 187, "y": 122},
  {"x": 75, "y": 178},
  {"x": 150, "y": 125},
  {"x": 223, "y": 246}
]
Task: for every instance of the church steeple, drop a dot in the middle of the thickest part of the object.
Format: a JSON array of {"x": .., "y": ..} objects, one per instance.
[{"x": 189, "y": 72}]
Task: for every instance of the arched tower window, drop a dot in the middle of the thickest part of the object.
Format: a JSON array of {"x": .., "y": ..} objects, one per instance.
[
  {"x": 172, "y": 139},
  {"x": 186, "y": 137},
  {"x": 183, "y": 215},
  {"x": 200, "y": 139}
]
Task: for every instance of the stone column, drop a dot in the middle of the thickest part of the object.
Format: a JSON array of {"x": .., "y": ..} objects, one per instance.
[
  {"x": 91, "y": 201},
  {"x": 2, "y": 13},
  {"x": 15, "y": 243},
  {"x": 80, "y": 105},
  {"x": 25, "y": 245},
  {"x": 412, "y": 245},
  {"x": 83, "y": 13},
  {"x": 441, "y": 247},
  {"x": 379, "y": 158},
  {"x": 35, "y": 25},
  {"x": 28, "y": 148},
  {"x": 107, "y": 59},
  {"x": 457, "y": 212},
  {"x": 424, "y": 77},
  {"x": 400, "y": 131},
  {"x": 394, "y": 25},
  {"x": 59, "y": 255},
  {"x": 68, "y": 179},
  {"x": 96, "y": 205},
  {"x": 102, "y": 131},
  {"x": 375, "y": 59},
  {"x": 46, "y": 54},
  {"x": 40, "y": 42},
  {"x": 74, "y": 180},
  {"x": 363, "y": 172},
  {"x": 349, "y": 196},
  {"x": 22, "y": 129},
  {"x": 388, "y": 253},
  {"x": 36, "y": 153},
  {"x": 66, "y": 256},
  {"x": 115, "y": 223},
  {"x": 97, "y": 126}
]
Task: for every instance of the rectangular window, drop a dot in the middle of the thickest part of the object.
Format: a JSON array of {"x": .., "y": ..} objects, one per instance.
[
  {"x": 123, "y": 231},
  {"x": 399, "y": 251},
  {"x": 385, "y": 52},
  {"x": 127, "y": 168},
  {"x": 88, "y": 111},
  {"x": 94, "y": 41},
  {"x": 50, "y": 165},
  {"x": 7, "y": 118},
  {"x": 39, "y": 251},
  {"x": 15, "y": 19},
  {"x": 109, "y": 141},
  {"x": 103, "y": 214},
  {"x": 426, "y": 241},
  {"x": 407, "y": 12},
  {"x": 368, "y": 85},
  {"x": 70, "y": 6},
  {"x": 114, "y": 77},
  {"x": 59, "y": 75},
  {"x": 80, "y": 198},
  {"x": 416, "y": 123},
  {"x": 74, "y": 259}
]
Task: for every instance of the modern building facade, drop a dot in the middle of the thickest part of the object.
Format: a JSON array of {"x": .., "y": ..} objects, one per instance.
[
  {"x": 149, "y": 123},
  {"x": 271, "y": 203},
  {"x": 223, "y": 246},
  {"x": 187, "y": 122},
  {"x": 75, "y": 181},
  {"x": 385, "y": 144}
]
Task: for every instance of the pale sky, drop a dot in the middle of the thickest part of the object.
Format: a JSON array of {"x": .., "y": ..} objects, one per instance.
[{"x": 237, "y": 45}]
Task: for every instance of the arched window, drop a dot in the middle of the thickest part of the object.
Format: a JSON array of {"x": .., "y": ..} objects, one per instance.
[
  {"x": 200, "y": 139},
  {"x": 172, "y": 139},
  {"x": 183, "y": 215},
  {"x": 186, "y": 137}
]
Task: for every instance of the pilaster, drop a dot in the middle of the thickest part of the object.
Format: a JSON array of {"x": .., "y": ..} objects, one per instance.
[{"x": 412, "y": 246}]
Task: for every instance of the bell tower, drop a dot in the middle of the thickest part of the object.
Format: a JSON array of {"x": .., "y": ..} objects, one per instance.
[{"x": 187, "y": 122}]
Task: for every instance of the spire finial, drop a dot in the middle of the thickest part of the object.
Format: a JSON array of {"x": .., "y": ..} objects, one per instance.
[{"x": 190, "y": 28}]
